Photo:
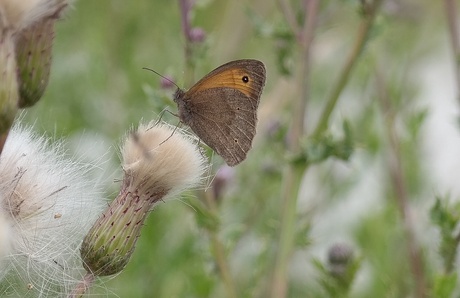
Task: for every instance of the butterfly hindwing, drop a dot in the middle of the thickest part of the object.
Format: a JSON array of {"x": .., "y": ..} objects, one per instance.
[{"x": 228, "y": 126}]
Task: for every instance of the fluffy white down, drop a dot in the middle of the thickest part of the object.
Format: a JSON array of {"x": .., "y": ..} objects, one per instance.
[
  {"x": 159, "y": 157},
  {"x": 49, "y": 206},
  {"x": 20, "y": 14}
]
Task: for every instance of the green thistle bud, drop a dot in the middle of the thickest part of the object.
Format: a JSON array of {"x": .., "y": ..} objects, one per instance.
[
  {"x": 157, "y": 163},
  {"x": 33, "y": 52},
  {"x": 8, "y": 82},
  {"x": 108, "y": 246}
]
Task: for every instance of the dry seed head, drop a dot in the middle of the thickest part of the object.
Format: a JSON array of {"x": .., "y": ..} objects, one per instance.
[
  {"x": 48, "y": 204},
  {"x": 20, "y": 14},
  {"x": 159, "y": 158},
  {"x": 157, "y": 162},
  {"x": 5, "y": 235}
]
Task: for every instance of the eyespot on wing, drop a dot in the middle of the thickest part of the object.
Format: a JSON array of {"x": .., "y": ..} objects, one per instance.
[{"x": 247, "y": 76}]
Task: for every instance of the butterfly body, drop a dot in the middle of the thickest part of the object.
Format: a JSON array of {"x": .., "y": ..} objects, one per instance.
[{"x": 221, "y": 108}]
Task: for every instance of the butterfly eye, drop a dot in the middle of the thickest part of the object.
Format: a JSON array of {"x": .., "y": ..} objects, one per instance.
[{"x": 245, "y": 79}]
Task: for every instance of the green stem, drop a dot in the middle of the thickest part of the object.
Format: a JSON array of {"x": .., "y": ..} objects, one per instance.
[
  {"x": 289, "y": 15},
  {"x": 452, "y": 22},
  {"x": 363, "y": 33},
  {"x": 217, "y": 247},
  {"x": 449, "y": 263},
  {"x": 292, "y": 175},
  {"x": 400, "y": 190},
  {"x": 9, "y": 88},
  {"x": 292, "y": 178},
  {"x": 219, "y": 251},
  {"x": 81, "y": 288}
]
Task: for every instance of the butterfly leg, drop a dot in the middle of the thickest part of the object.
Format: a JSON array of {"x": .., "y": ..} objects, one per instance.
[
  {"x": 175, "y": 128},
  {"x": 161, "y": 116},
  {"x": 201, "y": 149}
]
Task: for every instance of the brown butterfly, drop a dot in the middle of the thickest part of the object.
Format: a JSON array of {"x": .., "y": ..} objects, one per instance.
[{"x": 221, "y": 108}]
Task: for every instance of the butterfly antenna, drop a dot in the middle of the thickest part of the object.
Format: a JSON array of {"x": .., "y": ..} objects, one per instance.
[{"x": 146, "y": 68}]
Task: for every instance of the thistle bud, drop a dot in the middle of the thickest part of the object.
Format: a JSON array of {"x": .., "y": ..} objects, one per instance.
[
  {"x": 197, "y": 34},
  {"x": 8, "y": 80},
  {"x": 30, "y": 24},
  {"x": 33, "y": 54},
  {"x": 157, "y": 163},
  {"x": 167, "y": 82},
  {"x": 340, "y": 256}
]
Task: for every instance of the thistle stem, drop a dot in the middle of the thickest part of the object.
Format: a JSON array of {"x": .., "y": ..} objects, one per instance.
[
  {"x": 370, "y": 11},
  {"x": 216, "y": 245},
  {"x": 292, "y": 175},
  {"x": 9, "y": 90},
  {"x": 185, "y": 9},
  {"x": 219, "y": 251},
  {"x": 400, "y": 191},
  {"x": 82, "y": 286},
  {"x": 452, "y": 22}
]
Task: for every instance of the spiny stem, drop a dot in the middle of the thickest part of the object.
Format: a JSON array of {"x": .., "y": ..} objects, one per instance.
[
  {"x": 292, "y": 175},
  {"x": 400, "y": 190},
  {"x": 450, "y": 263},
  {"x": 452, "y": 22},
  {"x": 82, "y": 286},
  {"x": 292, "y": 178},
  {"x": 9, "y": 90},
  {"x": 219, "y": 251},
  {"x": 289, "y": 16},
  {"x": 216, "y": 245},
  {"x": 185, "y": 9},
  {"x": 370, "y": 11}
]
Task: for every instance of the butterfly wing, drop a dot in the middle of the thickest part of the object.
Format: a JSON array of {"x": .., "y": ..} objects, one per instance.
[
  {"x": 233, "y": 74},
  {"x": 225, "y": 123},
  {"x": 222, "y": 108}
]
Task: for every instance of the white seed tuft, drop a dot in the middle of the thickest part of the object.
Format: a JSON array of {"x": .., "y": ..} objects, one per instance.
[
  {"x": 48, "y": 206},
  {"x": 19, "y": 14},
  {"x": 161, "y": 158}
]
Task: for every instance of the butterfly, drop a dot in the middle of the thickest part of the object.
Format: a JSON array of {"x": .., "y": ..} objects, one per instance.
[{"x": 221, "y": 108}]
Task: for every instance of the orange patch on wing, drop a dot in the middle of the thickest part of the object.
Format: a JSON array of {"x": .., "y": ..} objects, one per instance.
[{"x": 230, "y": 78}]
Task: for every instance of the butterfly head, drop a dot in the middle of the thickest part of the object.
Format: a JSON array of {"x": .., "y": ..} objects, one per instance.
[{"x": 178, "y": 95}]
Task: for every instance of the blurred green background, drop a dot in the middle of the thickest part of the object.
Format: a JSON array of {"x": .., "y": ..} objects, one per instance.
[
  {"x": 98, "y": 88},
  {"x": 97, "y": 81}
]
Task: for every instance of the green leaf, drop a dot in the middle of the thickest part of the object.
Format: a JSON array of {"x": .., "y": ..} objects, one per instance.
[{"x": 444, "y": 285}]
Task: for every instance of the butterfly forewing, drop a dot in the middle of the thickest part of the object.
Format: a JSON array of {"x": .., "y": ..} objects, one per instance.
[{"x": 234, "y": 75}]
